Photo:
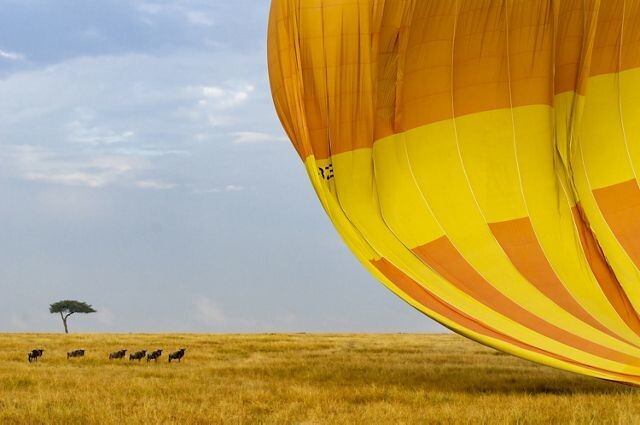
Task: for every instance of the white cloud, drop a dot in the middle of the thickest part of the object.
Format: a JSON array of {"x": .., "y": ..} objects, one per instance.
[
  {"x": 150, "y": 152},
  {"x": 80, "y": 169},
  {"x": 214, "y": 105},
  {"x": 12, "y": 56},
  {"x": 154, "y": 184},
  {"x": 196, "y": 17},
  {"x": 211, "y": 91},
  {"x": 193, "y": 16},
  {"x": 88, "y": 101},
  {"x": 222, "y": 189},
  {"x": 80, "y": 132},
  {"x": 233, "y": 188},
  {"x": 224, "y": 97},
  {"x": 208, "y": 312},
  {"x": 249, "y": 137},
  {"x": 79, "y": 123}
]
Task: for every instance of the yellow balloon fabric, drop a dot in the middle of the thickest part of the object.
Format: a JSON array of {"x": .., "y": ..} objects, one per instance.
[{"x": 480, "y": 158}]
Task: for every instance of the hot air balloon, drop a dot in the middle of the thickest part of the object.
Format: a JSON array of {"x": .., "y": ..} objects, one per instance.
[{"x": 481, "y": 159}]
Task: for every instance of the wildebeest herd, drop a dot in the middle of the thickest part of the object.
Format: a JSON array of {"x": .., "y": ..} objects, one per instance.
[{"x": 34, "y": 355}]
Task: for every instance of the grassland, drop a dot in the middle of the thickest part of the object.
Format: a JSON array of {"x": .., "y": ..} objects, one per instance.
[{"x": 295, "y": 378}]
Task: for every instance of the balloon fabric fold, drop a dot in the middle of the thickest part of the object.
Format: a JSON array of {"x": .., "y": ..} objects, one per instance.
[{"x": 481, "y": 159}]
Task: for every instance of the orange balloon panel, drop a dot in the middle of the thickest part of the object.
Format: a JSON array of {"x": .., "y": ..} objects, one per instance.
[{"x": 479, "y": 157}]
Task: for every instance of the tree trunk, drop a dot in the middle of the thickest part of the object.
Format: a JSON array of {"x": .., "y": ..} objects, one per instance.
[{"x": 64, "y": 322}]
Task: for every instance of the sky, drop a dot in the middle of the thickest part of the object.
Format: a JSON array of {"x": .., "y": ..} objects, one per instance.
[{"x": 143, "y": 170}]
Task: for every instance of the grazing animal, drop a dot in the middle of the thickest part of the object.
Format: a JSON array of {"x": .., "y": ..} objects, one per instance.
[
  {"x": 117, "y": 354},
  {"x": 154, "y": 355},
  {"x": 138, "y": 355},
  {"x": 75, "y": 353},
  {"x": 34, "y": 354},
  {"x": 177, "y": 355}
]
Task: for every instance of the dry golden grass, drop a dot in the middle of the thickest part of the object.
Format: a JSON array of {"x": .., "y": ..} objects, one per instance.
[{"x": 295, "y": 378}]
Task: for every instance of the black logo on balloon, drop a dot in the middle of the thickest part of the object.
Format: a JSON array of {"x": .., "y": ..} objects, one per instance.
[{"x": 326, "y": 173}]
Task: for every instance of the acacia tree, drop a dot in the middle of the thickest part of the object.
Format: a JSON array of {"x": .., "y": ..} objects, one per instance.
[{"x": 68, "y": 307}]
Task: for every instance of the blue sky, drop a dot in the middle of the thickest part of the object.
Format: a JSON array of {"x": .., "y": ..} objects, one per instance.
[{"x": 143, "y": 170}]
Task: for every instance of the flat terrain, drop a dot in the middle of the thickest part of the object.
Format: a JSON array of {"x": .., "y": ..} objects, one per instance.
[{"x": 295, "y": 378}]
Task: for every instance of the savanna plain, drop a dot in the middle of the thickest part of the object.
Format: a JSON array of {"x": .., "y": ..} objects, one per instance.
[{"x": 295, "y": 379}]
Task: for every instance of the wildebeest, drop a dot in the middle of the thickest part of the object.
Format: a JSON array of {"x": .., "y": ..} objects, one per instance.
[
  {"x": 177, "y": 355},
  {"x": 117, "y": 354},
  {"x": 75, "y": 353},
  {"x": 34, "y": 354},
  {"x": 154, "y": 355},
  {"x": 138, "y": 355}
]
